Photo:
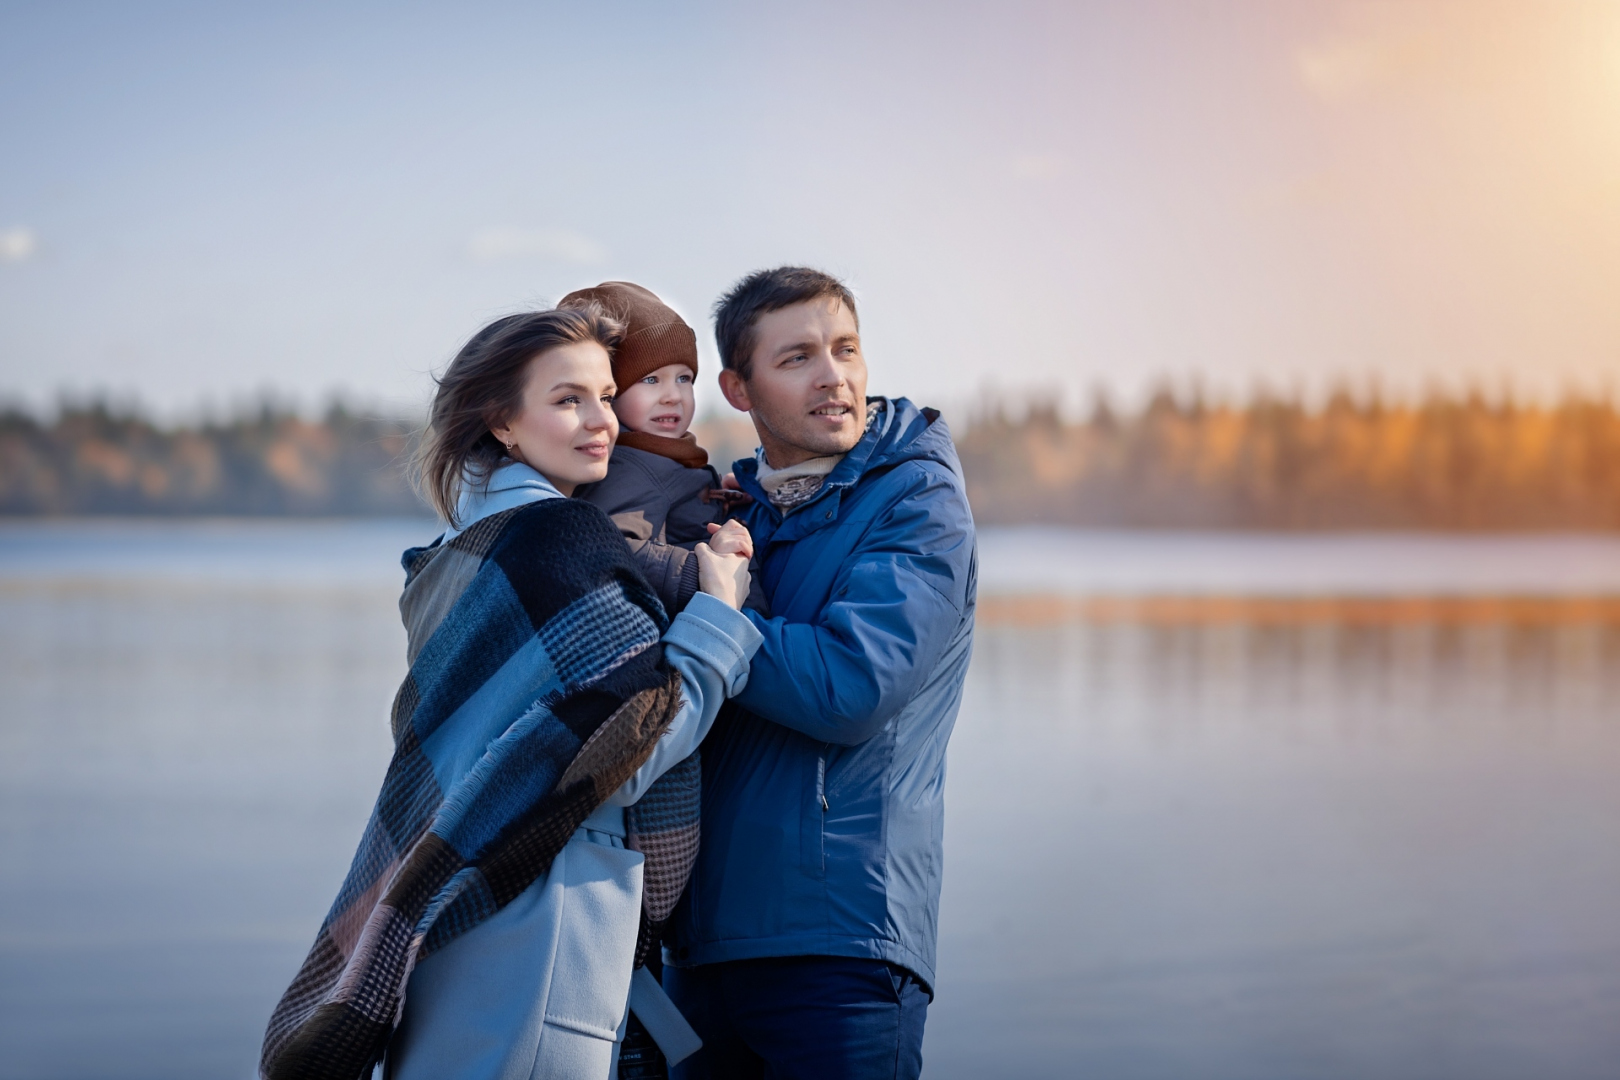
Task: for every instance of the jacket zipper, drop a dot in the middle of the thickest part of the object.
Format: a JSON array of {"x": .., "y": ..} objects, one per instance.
[{"x": 821, "y": 820}]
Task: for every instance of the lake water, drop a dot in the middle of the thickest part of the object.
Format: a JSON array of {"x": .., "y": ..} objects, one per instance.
[{"x": 1220, "y": 848}]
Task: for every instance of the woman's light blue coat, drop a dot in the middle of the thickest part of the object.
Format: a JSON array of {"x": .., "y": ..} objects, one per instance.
[{"x": 541, "y": 988}]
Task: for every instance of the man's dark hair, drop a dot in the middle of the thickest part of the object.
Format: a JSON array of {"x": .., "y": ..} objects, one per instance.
[{"x": 738, "y": 311}]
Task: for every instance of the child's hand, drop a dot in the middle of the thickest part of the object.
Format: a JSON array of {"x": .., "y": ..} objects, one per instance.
[{"x": 732, "y": 538}]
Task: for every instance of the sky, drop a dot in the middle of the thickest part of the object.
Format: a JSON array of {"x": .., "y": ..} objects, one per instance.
[{"x": 203, "y": 203}]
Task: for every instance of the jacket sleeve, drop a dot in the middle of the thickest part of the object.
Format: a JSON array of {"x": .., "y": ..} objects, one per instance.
[
  {"x": 894, "y": 609},
  {"x": 671, "y": 571},
  {"x": 690, "y": 511},
  {"x": 710, "y": 645}
]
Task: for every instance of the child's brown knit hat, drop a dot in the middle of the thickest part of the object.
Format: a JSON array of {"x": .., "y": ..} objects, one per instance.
[{"x": 654, "y": 336}]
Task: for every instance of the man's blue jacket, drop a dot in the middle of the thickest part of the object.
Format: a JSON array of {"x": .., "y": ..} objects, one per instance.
[{"x": 823, "y": 781}]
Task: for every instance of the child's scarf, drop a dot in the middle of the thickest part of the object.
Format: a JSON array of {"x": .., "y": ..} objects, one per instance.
[
  {"x": 681, "y": 449},
  {"x": 536, "y": 689}
]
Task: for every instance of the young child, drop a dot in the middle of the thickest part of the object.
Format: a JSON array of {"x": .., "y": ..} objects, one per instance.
[{"x": 660, "y": 489}]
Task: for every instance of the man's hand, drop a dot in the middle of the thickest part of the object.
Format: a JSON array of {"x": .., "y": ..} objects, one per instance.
[
  {"x": 724, "y": 577},
  {"x": 732, "y": 538}
]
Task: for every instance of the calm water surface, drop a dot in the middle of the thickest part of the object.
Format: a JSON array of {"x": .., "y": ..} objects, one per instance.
[{"x": 1173, "y": 851}]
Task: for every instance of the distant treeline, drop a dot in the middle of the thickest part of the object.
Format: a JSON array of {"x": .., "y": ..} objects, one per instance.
[
  {"x": 1352, "y": 463},
  {"x": 1456, "y": 463},
  {"x": 94, "y": 459}
]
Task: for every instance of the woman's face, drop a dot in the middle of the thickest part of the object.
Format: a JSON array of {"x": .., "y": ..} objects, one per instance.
[{"x": 565, "y": 428}]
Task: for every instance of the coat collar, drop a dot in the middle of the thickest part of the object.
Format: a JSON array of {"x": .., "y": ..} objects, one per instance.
[{"x": 512, "y": 484}]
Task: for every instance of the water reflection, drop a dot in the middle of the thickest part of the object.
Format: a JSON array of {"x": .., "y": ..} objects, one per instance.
[
  {"x": 1413, "y": 685},
  {"x": 1251, "y": 848},
  {"x": 1241, "y": 850},
  {"x": 184, "y": 771}
]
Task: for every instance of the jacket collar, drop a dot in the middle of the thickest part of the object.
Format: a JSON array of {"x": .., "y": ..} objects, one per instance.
[{"x": 512, "y": 484}]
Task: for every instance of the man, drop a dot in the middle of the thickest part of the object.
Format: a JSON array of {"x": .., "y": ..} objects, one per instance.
[{"x": 805, "y": 944}]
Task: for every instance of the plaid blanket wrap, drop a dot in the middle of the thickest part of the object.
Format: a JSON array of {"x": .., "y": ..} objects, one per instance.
[
  {"x": 536, "y": 689},
  {"x": 664, "y": 825}
]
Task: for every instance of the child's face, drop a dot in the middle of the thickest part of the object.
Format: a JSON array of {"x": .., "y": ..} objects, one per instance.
[{"x": 660, "y": 404}]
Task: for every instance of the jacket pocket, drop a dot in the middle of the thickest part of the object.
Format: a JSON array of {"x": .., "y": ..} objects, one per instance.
[{"x": 813, "y": 829}]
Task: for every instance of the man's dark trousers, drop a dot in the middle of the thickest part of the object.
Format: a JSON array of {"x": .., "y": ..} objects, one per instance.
[{"x": 810, "y": 1017}]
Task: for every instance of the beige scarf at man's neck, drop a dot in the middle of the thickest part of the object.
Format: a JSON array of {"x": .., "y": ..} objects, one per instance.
[{"x": 792, "y": 487}]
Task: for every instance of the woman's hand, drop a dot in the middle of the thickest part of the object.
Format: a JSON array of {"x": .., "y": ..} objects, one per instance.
[
  {"x": 732, "y": 538},
  {"x": 724, "y": 577}
]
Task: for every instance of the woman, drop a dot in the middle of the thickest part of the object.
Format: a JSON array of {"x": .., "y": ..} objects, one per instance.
[{"x": 492, "y": 910}]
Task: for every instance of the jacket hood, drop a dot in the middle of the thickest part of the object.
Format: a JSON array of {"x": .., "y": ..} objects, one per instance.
[
  {"x": 511, "y": 484},
  {"x": 905, "y": 432}
]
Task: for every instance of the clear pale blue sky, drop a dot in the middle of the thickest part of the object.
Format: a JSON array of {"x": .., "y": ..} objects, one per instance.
[{"x": 201, "y": 201}]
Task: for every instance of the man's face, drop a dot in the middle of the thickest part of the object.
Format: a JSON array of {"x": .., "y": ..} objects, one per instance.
[{"x": 807, "y": 389}]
